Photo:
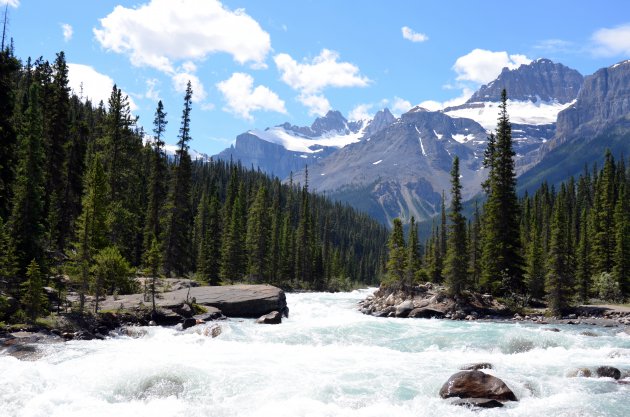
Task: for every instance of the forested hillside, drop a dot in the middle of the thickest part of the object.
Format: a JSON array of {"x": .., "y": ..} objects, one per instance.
[
  {"x": 564, "y": 245},
  {"x": 86, "y": 193}
]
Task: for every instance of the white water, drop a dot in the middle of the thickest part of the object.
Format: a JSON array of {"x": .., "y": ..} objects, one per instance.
[{"x": 327, "y": 359}]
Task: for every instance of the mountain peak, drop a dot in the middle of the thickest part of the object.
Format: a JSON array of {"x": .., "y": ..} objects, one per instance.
[
  {"x": 540, "y": 80},
  {"x": 333, "y": 121}
]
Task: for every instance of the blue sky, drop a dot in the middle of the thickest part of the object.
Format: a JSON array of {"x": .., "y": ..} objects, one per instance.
[{"x": 255, "y": 64}]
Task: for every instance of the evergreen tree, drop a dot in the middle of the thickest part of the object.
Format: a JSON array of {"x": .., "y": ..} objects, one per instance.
[
  {"x": 232, "y": 250},
  {"x": 9, "y": 279},
  {"x": 396, "y": 263},
  {"x": 456, "y": 260},
  {"x": 535, "y": 264},
  {"x": 584, "y": 268},
  {"x": 501, "y": 249},
  {"x": 474, "y": 264},
  {"x": 33, "y": 299},
  {"x": 621, "y": 269},
  {"x": 9, "y": 67},
  {"x": 303, "y": 242},
  {"x": 559, "y": 283},
  {"x": 257, "y": 239},
  {"x": 26, "y": 222},
  {"x": 603, "y": 247},
  {"x": 179, "y": 207},
  {"x": 413, "y": 263},
  {"x": 153, "y": 260}
]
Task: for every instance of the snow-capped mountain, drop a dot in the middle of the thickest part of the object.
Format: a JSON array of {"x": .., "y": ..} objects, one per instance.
[{"x": 283, "y": 149}]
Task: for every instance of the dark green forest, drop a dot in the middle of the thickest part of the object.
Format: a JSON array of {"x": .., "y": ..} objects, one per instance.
[
  {"x": 559, "y": 246},
  {"x": 89, "y": 200}
]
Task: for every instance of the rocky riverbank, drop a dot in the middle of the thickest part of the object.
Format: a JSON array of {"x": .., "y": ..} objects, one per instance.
[
  {"x": 186, "y": 306},
  {"x": 431, "y": 301}
]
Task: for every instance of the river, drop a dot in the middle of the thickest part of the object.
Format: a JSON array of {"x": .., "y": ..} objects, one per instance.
[{"x": 327, "y": 359}]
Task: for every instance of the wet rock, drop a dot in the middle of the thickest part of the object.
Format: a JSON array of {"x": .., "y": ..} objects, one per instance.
[
  {"x": 213, "y": 331},
  {"x": 211, "y": 315},
  {"x": 403, "y": 309},
  {"x": 551, "y": 329},
  {"x": 183, "y": 310},
  {"x": 580, "y": 373},
  {"x": 426, "y": 313},
  {"x": 164, "y": 317},
  {"x": 133, "y": 331},
  {"x": 478, "y": 403},
  {"x": 608, "y": 372},
  {"x": 590, "y": 334},
  {"x": 476, "y": 366},
  {"x": 275, "y": 317},
  {"x": 189, "y": 322},
  {"x": 84, "y": 335},
  {"x": 476, "y": 384}
]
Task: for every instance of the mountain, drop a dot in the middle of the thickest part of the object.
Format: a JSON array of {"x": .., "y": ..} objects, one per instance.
[
  {"x": 283, "y": 149},
  {"x": 599, "y": 119},
  {"x": 402, "y": 170}
]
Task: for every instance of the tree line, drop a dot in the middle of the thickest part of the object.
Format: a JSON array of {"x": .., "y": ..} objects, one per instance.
[
  {"x": 86, "y": 193},
  {"x": 562, "y": 246}
]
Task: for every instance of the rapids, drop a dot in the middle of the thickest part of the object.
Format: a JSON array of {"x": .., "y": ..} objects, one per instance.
[{"x": 327, "y": 359}]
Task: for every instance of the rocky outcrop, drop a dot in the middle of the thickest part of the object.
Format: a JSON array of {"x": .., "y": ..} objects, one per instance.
[
  {"x": 539, "y": 80},
  {"x": 476, "y": 384},
  {"x": 430, "y": 301}
]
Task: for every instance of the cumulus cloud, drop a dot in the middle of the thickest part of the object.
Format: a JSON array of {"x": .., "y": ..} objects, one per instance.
[
  {"x": 85, "y": 80},
  {"x": 67, "y": 31},
  {"x": 180, "y": 81},
  {"x": 554, "y": 45},
  {"x": 11, "y": 3},
  {"x": 361, "y": 112},
  {"x": 162, "y": 32},
  {"x": 433, "y": 105},
  {"x": 242, "y": 98},
  {"x": 400, "y": 105},
  {"x": 152, "y": 93},
  {"x": 482, "y": 66},
  {"x": 612, "y": 41},
  {"x": 412, "y": 35},
  {"x": 310, "y": 78}
]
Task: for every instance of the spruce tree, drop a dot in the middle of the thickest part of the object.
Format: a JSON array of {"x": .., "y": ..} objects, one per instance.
[
  {"x": 26, "y": 222},
  {"x": 9, "y": 67},
  {"x": 501, "y": 257},
  {"x": 621, "y": 269},
  {"x": 455, "y": 264},
  {"x": 414, "y": 263},
  {"x": 303, "y": 238},
  {"x": 474, "y": 248},
  {"x": 33, "y": 299},
  {"x": 232, "y": 250},
  {"x": 584, "y": 268},
  {"x": 257, "y": 239},
  {"x": 397, "y": 256}
]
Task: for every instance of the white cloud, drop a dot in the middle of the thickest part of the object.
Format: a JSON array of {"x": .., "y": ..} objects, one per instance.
[
  {"x": 67, "y": 31},
  {"x": 242, "y": 98},
  {"x": 162, "y": 32},
  {"x": 311, "y": 78},
  {"x": 612, "y": 41},
  {"x": 152, "y": 93},
  {"x": 554, "y": 45},
  {"x": 412, "y": 35},
  {"x": 11, "y": 3},
  {"x": 322, "y": 72},
  {"x": 433, "y": 105},
  {"x": 207, "y": 106},
  {"x": 400, "y": 105},
  {"x": 180, "y": 81},
  {"x": 361, "y": 112},
  {"x": 482, "y": 66},
  {"x": 95, "y": 86}
]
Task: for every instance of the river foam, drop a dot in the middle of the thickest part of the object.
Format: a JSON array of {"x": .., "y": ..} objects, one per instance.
[{"x": 327, "y": 359}]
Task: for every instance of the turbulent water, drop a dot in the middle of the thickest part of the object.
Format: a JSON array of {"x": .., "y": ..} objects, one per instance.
[{"x": 327, "y": 359}]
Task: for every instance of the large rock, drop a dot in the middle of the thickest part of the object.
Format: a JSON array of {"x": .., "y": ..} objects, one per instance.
[
  {"x": 608, "y": 372},
  {"x": 476, "y": 384},
  {"x": 403, "y": 309},
  {"x": 275, "y": 317},
  {"x": 426, "y": 313}
]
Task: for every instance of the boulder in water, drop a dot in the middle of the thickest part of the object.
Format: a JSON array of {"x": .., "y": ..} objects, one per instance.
[
  {"x": 580, "y": 372},
  {"x": 608, "y": 372},
  {"x": 476, "y": 366},
  {"x": 189, "y": 322},
  {"x": 275, "y": 317},
  {"x": 476, "y": 384},
  {"x": 478, "y": 403},
  {"x": 426, "y": 313}
]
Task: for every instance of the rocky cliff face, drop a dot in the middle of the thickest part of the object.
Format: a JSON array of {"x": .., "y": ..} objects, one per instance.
[
  {"x": 603, "y": 99},
  {"x": 540, "y": 80}
]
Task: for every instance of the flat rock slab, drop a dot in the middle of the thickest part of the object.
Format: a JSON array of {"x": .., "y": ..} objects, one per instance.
[{"x": 249, "y": 301}]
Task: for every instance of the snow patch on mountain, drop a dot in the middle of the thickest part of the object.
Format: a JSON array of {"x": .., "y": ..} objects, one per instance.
[
  {"x": 521, "y": 112},
  {"x": 292, "y": 141}
]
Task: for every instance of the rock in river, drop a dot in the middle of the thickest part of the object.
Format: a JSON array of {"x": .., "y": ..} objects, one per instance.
[
  {"x": 275, "y": 317},
  {"x": 476, "y": 384}
]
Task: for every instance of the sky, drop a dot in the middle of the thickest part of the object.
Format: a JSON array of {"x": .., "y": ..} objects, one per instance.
[{"x": 254, "y": 64}]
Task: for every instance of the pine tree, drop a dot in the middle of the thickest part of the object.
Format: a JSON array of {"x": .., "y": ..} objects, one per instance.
[
  {"x": 26, "y": 222},
  {"x": 621, "y": 269},
  {"x": 153, "y": 261},
  {"x": 474, "y": 248},
  {"x": 33, "y": 299},
  {"x": 559, "y": 283},
  {"x": 157, "y": 176},
  {"x": 257, "y": 239},
  {"x": 209, "y": 253},
  {"x": 584, "y": 267},
  {"x": 303, "y": 238},
  {"x": 413, "y": 263},
  {"x": 455, "y": 268},
  {"x": 396, "y": 262},
  {"x": 177, "y": 250},
  {"x": 603, "y": 221},
  {"x": 9, "y": 67},
  {"x": 8, "y": 263},
  {"x": 501, "y": 257},
  {"x": 535, "y": 264},
  {"x": 232, "y": 250}
]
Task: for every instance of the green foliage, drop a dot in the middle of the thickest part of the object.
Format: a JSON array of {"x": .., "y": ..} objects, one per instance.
[
  {"x": 607, "y": 288},
  {"x": 33, "y": 298},
  {"x": 112, "y": 273},
  {"x": 397, "y": 259},
  {"x": 456, "y": 261}
]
